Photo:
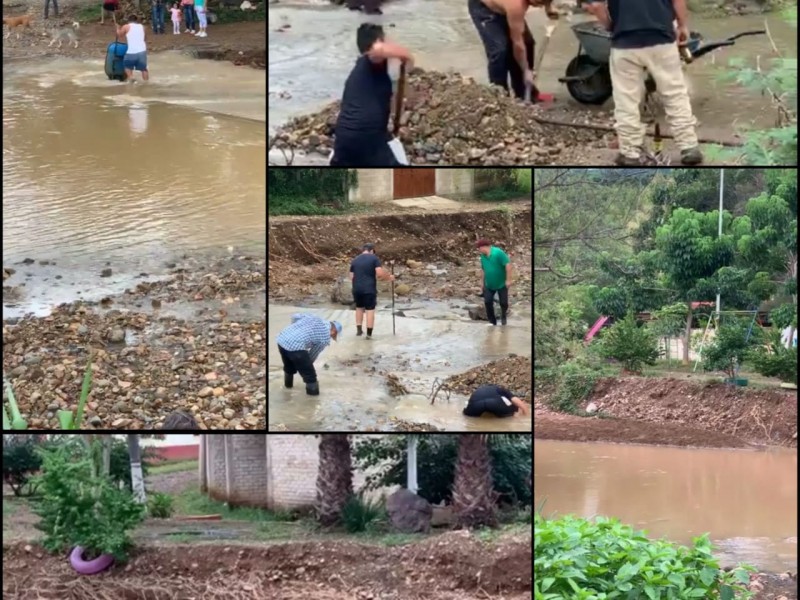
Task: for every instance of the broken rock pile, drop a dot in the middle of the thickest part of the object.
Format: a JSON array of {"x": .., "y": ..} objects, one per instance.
[
  {"x": 514, "y": 373},
  {"x": 450, "y": 119}
]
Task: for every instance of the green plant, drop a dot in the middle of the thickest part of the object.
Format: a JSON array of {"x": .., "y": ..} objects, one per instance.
[
  {"x": 360, "y": 512},
  {"x": 604, "y": 559},
  {"x": 80, "y": 509},
  {"x": 730, "y": 347},
  {"x": 385, "y": 458},
  {"x": 65, "y": 417},
  {"x": 775, "y": 360},
  {"x": 20, "y": 462},
  {"x": 630, "y": 344},
  {"x": 160, "y": 505}
]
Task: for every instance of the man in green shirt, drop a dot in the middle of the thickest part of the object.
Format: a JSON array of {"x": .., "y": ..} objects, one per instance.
[{"x": 496, "y": 279}]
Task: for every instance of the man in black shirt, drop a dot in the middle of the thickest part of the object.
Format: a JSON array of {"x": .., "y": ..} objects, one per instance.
[
  {"x": 496, "y": 400},
  {"x": 643, "y": 38},
  {"x": 361, "y": 129},
  {"x": 364, "y": 271}
]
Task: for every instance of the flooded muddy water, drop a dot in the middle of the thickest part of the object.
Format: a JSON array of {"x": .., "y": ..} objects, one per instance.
[
  {"x": 351, "y": 371},
  {"x": 98, "y": 173},
  {"x": 309, "y": 60},
  {"x": 746, "y": 500}
]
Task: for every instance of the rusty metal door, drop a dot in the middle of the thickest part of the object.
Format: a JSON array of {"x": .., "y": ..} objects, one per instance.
[{"x": 413, "y": 183}]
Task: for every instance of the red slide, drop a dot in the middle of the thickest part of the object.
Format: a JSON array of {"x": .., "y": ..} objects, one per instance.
[{"x": 595, "y": 328}]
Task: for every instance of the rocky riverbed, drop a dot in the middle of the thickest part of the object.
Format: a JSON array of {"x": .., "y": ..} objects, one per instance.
[{"x": 194, "y": 341}]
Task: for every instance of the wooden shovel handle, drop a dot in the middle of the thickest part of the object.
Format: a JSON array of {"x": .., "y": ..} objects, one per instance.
[{"x": 398, "y": 105}]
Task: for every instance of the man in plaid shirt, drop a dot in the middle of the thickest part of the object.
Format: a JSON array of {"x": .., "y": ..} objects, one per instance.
[{"x": 301, "y": 343}]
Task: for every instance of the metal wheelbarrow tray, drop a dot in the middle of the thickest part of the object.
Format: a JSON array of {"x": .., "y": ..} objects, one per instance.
[{"x": 588, "y": 76}]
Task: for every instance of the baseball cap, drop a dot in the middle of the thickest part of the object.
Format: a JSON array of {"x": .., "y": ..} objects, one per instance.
[
  {"x": 482, "y": 242},
  {"x": 338, "y": 327}
]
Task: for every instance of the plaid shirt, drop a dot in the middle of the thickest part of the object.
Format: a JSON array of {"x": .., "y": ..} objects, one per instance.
[{"x": 307, "y": 332}]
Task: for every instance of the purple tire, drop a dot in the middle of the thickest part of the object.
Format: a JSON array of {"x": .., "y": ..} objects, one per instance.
[{"x": 89, "y": 567}]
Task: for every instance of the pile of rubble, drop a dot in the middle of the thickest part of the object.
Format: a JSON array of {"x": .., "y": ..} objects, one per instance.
[
  {"x": 450, "y": 119},
  {"x": 513, "y": 373}
]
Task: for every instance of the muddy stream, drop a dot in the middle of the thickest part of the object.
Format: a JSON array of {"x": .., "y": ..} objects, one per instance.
[
  {"x": 746, "y": 500},
  {"x": 431, "y": 342},
  {"x": 309, "y": 60},
  {"x": 98, "y": 173}
]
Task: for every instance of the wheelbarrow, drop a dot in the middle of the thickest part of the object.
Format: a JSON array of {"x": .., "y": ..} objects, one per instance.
[{"x": 588, "y": 76}]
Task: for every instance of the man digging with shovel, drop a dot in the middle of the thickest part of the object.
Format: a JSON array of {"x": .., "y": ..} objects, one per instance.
[{"x": 361, "y": 136}]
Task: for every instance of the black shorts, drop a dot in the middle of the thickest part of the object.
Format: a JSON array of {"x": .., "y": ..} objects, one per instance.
[
  {"x": 365, "y": 300},
  {"x": 494, "y": 405},
  {"x": 110, "y": 7}
]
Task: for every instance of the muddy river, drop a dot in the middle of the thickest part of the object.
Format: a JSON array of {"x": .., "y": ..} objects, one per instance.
[
  {"x": 746, "y": 500},
  {"x": 309, "y": 61},
  {"x": 430, "y": 343},
  {"x": 98, "y": 173}
]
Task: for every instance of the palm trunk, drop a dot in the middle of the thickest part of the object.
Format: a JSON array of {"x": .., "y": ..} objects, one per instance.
[
  {"x": 687, "y": 335},
  {"x": 473, "y": 490},
  {"x": 334, "y": 478},
  {"x": 137, "y": 477}
]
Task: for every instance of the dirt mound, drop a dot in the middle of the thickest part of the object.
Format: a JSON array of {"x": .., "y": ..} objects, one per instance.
[
  {"x": 514, "y": 373},
  {"x": 453, "y": 565},
  {"x": 676, "y": 412},
  {"x": 450, "y": 119}
]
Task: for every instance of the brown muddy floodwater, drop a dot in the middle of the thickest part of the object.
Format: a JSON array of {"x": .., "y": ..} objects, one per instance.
[
  {"x": 98, "y": 172},
  {"x": 351, "y": 371},
  {"x": 746, "y": 500}
]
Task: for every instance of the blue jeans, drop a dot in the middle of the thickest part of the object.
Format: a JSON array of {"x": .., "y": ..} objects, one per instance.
[
  {"x": 188, "y": 16},
  {"x": 158, "y": 18},
  {"x": 135, "y": 62}
]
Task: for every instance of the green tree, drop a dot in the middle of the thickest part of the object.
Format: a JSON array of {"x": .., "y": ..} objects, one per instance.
[
  {"x": 730, "y": 347},
  {"x": 630, "y": 344},
  {"x": 668, "y": 322},
  {"x": 775, "y": 359}
]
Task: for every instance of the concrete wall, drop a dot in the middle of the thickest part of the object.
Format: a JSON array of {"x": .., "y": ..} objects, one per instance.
[{"x": 377, "y": 185}]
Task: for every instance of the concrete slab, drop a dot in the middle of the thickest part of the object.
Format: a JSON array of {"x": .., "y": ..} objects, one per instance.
[{"x": 428, "y": 202}]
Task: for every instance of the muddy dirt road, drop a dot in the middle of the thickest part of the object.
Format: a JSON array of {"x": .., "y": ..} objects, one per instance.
[{"x": 374, "y": 383}]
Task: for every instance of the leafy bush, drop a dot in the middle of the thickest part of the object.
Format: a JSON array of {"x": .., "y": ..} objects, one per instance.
[
  {"x": 160, "y": 505},
  {"x": 120, "y": 471},
  {"x": 81, "y": 510},
  {"x": 730, "y": 347},
  {"x": 603, "y": 559},
  {"x": 572, "y": 383},
  {"x": 630, "y": 344},
  {"x": 20, "y": 462},
  {"x": 776, "y": 360},
  {"x": 360, "y": 512},
  {"x": 436, "y": 459}
]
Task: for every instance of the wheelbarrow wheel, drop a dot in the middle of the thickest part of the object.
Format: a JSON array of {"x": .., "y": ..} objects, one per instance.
[{"x": 596, "y": 88}]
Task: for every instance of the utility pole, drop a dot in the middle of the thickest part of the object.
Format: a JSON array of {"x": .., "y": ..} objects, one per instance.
[{"x": 719, "y": 232}]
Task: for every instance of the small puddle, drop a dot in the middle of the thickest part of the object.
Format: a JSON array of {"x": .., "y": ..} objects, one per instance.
[
  {"x": 746, "y": 500},
  {"x": 353, "y": 390}
]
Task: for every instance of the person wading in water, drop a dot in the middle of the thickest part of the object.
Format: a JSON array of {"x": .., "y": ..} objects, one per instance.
[{"x": 364, "y": 271}]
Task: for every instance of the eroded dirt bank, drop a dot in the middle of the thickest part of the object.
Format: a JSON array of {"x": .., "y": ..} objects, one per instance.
[
  {"x": 675, "y": 412},
  {"x": 453, "y": 565}
]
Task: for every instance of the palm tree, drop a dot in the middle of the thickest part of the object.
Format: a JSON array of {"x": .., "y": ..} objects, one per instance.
[
  {"x": 474, "y": 497},
  {"x": 334, "y": 477}
]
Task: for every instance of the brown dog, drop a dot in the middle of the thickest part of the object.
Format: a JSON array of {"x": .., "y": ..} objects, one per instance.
[{"x": 12, "y": 22}]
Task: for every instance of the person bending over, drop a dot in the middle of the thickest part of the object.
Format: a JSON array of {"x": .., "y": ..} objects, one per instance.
[
  {"x": 301, "y": 343},
  {"x": 495, "y": 400}
]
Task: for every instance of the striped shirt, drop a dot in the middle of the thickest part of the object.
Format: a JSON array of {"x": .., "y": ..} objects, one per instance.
[{"x": 307, "y": 332}]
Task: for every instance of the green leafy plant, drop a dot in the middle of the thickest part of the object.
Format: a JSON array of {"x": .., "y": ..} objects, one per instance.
[
  {"x": 66, "y": 418},
  {"x": 775, "y": 359},
  {"x": 630, "y": 344},
  {"x": 730, "y": 347},
  {"x": 603, "y": 559},
  {"x": 572, "y": 382},
  {"x": 20, "y": 462},
  {"x": 160, "y": 505},
  {"x": 360, "y": 512},
  {"x": 81, "y": 509}
]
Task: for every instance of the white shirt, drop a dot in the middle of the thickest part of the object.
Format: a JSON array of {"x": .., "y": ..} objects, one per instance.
[{"x": 135, "y": 38}]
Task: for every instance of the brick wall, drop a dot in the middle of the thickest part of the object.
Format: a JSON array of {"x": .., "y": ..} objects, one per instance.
[
  {"x": 457, "y": 184},
  {"x": 374, "y": 185}
]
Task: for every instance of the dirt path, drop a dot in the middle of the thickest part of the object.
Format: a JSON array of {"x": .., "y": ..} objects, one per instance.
[
  {"x": 651, "y": 410},
  {"x": 449, "y": 566}
]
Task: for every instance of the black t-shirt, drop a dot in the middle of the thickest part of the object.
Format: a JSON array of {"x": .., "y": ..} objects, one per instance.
[
  {"x": 489, "y": 398},
  {"x": 367, "y": 99},
  {"x": 641, "y": 23},
  {"x": 363, "y": 268}
]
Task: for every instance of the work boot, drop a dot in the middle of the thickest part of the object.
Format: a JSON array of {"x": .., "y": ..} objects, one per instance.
[
  {"x": 628, "y": 161},
  {"x": 691, "y": 156},
  {"x": 312, "y": 389},
  {"x": 288, "y": 379},
  {"x": 503, "y": 321}
]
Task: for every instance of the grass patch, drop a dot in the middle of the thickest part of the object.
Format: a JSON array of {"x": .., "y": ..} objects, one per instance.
[
  {"x": 233, "y": 14},
  {"x": 192, "y": 502},
  {"x": 500, "y": 194},
  {"x": 173, "y": 467}
]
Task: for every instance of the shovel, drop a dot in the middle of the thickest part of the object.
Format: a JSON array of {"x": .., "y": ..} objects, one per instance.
[{"x": 548, "y": 33}]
